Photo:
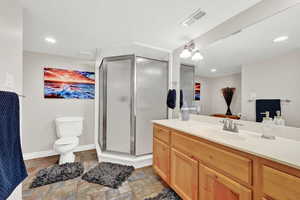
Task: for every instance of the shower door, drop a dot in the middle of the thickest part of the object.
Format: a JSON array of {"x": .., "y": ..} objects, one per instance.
[
  {"x": 187, "y": 74},
  {"x": 118, "y": 130},
  {"x": 151, "y": 98}
]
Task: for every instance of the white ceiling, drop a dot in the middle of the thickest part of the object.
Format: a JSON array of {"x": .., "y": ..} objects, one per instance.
[
  {"x": 252, "y": 45},
  {"x": 86, "y": 25}
]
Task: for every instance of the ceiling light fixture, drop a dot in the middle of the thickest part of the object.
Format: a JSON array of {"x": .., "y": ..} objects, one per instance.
[
  {"x": 189, "y": 50},
  {"x": 280, "y": 39},
  {"x": 186, "y": 53},
  {"x": 50, "y": 40},
  {"x": 213, "y": 70},
  {"x": 197, "y": 56}
]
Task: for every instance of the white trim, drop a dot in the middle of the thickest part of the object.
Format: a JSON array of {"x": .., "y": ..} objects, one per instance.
[
  {"x": 42, "y": 154},
  {"x": 137, "y": 162},
  {"x": 85, "y": 147},
  {"x": 152, "y": 47},
  {"x": 99, "y": 60}
]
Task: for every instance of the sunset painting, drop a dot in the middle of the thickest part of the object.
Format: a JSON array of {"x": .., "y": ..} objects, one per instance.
[
  {"x": 68, "y": 84},
  {"x": 197, "y": 91}
]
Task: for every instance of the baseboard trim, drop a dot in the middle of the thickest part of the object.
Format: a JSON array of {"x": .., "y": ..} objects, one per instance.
[
  {"x": 137, "y": 162},
  {"x": 42, "y": 154}
]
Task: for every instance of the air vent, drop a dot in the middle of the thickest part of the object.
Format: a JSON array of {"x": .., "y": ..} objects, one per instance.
[{"x": 198, "y": 14}]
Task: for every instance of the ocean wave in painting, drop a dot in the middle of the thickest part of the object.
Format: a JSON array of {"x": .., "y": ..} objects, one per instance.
[{"x": 68, "y": 84}]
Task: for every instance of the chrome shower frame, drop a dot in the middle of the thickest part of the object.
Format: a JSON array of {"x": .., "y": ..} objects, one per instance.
[{"x": 133, "y": 97}]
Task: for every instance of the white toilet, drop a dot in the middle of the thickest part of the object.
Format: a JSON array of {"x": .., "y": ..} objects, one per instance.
[{"x": 68, "y": 129}]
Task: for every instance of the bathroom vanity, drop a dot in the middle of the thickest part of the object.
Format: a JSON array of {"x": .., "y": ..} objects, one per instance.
[{"x": 200, "y": 161}]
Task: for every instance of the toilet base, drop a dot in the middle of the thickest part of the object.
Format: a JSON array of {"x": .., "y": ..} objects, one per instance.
[{"x": 66, "y": 158}]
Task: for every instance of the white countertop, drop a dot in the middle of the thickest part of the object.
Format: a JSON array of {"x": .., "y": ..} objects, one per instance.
[{"x": 281, "y": 150}]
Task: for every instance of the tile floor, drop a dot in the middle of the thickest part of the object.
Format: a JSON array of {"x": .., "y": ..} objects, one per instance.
[{"x": 143, "y": 183}]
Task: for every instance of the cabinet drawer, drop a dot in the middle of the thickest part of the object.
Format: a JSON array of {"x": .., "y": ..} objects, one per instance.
[
  {"x": 235, "y": 165},
  {"x": 280, "y": 185},
  {"x": 162, "y": 133}
]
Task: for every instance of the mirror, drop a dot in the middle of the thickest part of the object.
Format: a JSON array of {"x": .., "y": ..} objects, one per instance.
[{"x": 254, "y": 71}]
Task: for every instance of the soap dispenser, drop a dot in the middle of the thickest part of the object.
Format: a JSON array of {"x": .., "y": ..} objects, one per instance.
[
  {"x": 267, "y": 126},
  {"x": 267, "y": 119},
  {"x": 279, "y": 119},
  {"x": 185, "y": 112}
]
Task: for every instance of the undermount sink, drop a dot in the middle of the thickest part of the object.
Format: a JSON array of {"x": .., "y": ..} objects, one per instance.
[
  {"x": 231, "y": 135},
  {"x": 241, "y": 135}
]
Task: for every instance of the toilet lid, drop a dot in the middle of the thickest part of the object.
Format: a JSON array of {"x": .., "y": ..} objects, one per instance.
[{"x": 67, "y": 140}]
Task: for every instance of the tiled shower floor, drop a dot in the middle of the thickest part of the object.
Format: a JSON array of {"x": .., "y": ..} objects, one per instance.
[{"x": 143, "y": 183}]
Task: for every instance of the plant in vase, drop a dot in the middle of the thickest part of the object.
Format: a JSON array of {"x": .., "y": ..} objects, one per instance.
[{"x": 228, "y": 95}]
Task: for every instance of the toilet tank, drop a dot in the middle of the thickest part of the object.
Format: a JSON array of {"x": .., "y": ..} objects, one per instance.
[{"x": 69, "y": 126}]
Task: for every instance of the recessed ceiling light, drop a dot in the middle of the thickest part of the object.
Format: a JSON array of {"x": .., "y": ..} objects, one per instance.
[
  {"x": 50, "y": 40},
  {"x": 213, "y": 70},
  {"x": 281, "y": 39}
]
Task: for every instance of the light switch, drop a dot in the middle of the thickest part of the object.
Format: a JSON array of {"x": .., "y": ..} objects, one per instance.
[{"x": 9, "y": 82}]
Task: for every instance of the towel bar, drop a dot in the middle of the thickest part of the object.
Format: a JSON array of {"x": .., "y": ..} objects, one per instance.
[{"x": 282, "y": 100}]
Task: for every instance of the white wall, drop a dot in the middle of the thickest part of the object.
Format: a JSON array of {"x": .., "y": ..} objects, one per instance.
[
  {"x": 218, "y": 104},
  {"x": 275, "y": 78},
  {"x": 11, "y": 37},
  {"x": 11, "y": 53},
  {"x": 39, "y": 113},
  {"x": 212, "y": 100}
]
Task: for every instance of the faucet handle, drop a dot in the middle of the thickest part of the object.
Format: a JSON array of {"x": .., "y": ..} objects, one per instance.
[
  {"x": 225, "y": 123},
  {"x": 235, "y": 127}
]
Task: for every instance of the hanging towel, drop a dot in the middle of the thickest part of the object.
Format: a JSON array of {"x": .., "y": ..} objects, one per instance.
[
  {"x": 181, "y": 99},
  {"x": 171, "y": 99},
  {"x": 263, "y": 105},
  {"x": 12, "y": 167}
]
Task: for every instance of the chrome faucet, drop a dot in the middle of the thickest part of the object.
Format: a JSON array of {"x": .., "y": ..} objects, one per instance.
[{"x": 230, "y": 125}]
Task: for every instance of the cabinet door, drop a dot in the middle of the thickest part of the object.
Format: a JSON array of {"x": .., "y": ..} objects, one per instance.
[
  {"x": 215, "y": 186},
  {"x": 161, "y": 159},
  {"x": 184, "y": 175},
  {"x": 280, "y": 185}
]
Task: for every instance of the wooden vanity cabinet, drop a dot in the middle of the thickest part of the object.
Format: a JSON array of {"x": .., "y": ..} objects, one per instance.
[
  {"x": 184, "y": 175},
  {"x": 197, "y": 169}
]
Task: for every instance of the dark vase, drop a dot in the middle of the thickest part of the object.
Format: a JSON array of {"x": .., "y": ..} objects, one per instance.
[{"x": 228, "y": 95}]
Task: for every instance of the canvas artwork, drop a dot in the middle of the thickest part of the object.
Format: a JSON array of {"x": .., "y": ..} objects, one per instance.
[
  {"x": 197, "y": 91},
  {"x": 68, "y": 84}
]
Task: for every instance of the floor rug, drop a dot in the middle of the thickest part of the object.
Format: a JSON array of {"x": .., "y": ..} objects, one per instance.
[
  {"x": 57, "y": 173},
  {"x": 166, "y": 194},
  {"x": 108, "y": 174}
]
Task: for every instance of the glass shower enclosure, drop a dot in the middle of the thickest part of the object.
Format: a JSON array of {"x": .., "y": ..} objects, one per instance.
[
  {"x": 133, "y": 91},
  {"x": 187, "y": 76}
]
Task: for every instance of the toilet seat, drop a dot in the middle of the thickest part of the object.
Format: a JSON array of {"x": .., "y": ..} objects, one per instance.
[{"x": 66, "y": 141}]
